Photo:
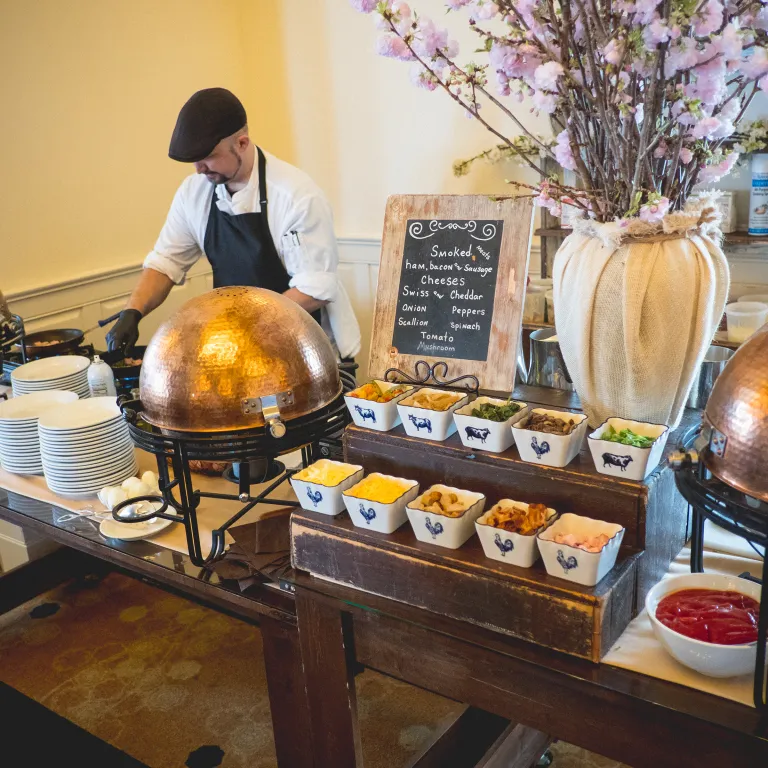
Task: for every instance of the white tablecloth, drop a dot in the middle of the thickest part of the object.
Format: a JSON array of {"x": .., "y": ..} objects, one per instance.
[{"x": 637, "y": 648}]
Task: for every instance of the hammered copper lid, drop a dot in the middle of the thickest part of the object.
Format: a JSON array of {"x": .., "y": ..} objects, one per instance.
[
  {"x": 737, "y": 411},
  {"x": 223, "y": 355}
]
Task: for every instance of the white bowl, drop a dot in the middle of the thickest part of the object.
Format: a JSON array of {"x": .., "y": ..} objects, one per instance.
[
  {"x": 426, "y": 423},
  {"x": 710, "y": 659},
  {"x": 544, "y": 448},
  {"x": 326, "y": 499},
  {"x": 449, "y": 532},
  {"x": 576, "y": 564},
  {"x": 483, "y": 434},
  {"x": 377, "y": 516},
  {"x": 509, "y": 547},
  {"x": 627, "y": 461},
  {"x": 379, "y": 416}
]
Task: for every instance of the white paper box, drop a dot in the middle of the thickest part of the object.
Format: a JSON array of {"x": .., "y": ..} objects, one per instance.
[
  {"x": 429, "y": 424},
  {"x": 375, "y": 516},
  {"x": 483, "y": 434},
  {"x": 379, "y": 416},
  {"x": 326, "y": 499},
  {"x": 448, "y": 532},
  {"x": 544, "y": 448},
  {"x": 626, "y": 461},
  {"x": 576, "y": 564},
  {"x": 509, "y": 547}
]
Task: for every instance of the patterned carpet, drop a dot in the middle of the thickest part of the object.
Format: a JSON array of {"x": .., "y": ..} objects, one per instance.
[{"x": 173, "y": 684}]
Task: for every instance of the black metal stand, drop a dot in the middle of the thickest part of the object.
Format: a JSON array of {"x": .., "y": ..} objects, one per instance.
[
  {"x": 712, "y": 499},
  {"x": 11, "y": 336},
  {"x": 179, "y": 499},
  {"x": 424, "y": 373}
]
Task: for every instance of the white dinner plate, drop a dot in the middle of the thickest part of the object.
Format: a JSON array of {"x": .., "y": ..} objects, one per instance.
[
  {"x": 87, "y": 470},
  {"x": 118, "y": 427},
  {"x": 50, "y": 368},
  {"x": 70, "y": 381},
  {"x": 82, "y": 414},
  {"x": 29, "y": 407},
  {"x": 91, "y": 487}
]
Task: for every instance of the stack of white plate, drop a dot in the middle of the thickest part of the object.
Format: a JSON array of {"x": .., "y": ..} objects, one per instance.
[
  {"x": 19, "y": 441},
  {"x": 86, "y": 446},
  {"x": 68, "y": 372}
]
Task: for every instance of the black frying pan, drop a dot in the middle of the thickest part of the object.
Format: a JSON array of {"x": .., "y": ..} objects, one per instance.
[
  {"x": 55, "y": 342},
  {"x": 118, "y": 355}
]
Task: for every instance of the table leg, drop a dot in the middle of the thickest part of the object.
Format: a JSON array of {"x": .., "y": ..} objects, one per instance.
[
  {"x": 287, "y": 694},
  {"x": 328, "y": 655}
]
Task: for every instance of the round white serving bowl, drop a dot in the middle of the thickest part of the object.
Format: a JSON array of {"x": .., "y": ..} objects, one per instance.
[{"x": 709, "y": 659}]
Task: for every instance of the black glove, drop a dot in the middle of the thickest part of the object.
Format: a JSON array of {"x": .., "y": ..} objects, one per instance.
[{"x": 125, "y": 332}]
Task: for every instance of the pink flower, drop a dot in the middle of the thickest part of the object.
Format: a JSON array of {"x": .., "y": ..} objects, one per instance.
[
  {"x": 614, "y": 51},
  {"x": 706, "y": 128},
  {"x": 728, "y": 43},
  {"x": 545, "y": 76},
  {"x": 710, "y": 18},
  {"x": 431, "y": 40},
  {"x": 661, "y": 150},
  {"x": 762, "y": 83},
  {"x": 481, "y": 10},
  {"x": 393, "y": 47},
  {"x": 708, "y": 83},
  {"x": 686, "y": 155},
  {"x": 545, "y": 102},
  {"x": 756, "y": 65},
  {"x": 655, "y": 211},
  {"x": 644, "y": 10},
  {"x": 655, "y": 33},
  {"x": 364, "y": 6},
  {"x": 563, "y": 151},
  {"x": 454, "y": 5},
  {"x": 421, "y": 78},
  {"x": 681, "y": 55},
  {"x": 715, "y": 171}
]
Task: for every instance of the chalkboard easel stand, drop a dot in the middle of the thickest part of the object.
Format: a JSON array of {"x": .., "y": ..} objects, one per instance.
[{"x": 424, "y": 373}]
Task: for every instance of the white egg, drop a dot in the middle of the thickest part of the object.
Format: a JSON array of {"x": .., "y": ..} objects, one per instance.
[
  {"x": 150, "y": 480},
  {"x": 115, "y": 496},
  {"x": 134, "y": 487},
  {"x": 102, "y": 494}
]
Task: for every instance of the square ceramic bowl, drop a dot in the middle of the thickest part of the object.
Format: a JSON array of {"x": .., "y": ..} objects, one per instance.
[
  {"x": 376, "y": 515},
  {"x": 426, "y": 423},
  {"x": 443, "y": 531},
  {"x": 483, "y": 434},
  {"x": 627, "y": 461},
  {"x": 379, "y": 416},
  {"x": 319, "y": 497},
  {"x": 711, "y": 659},
  {"x": 573, "y": 563},
  {"x": 509, "y": 547},
  {"x": 544, "y": 448}
]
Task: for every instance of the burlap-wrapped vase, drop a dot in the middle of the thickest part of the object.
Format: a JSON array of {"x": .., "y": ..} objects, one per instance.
[{"x": 637, "y": 306}]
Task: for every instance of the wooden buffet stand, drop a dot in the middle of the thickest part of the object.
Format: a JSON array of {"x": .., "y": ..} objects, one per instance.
[{"x": 512, "y": 642}]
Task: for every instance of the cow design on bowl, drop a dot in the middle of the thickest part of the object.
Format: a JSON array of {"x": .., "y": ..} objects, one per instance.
[
  {"x": 473, "y": 433},
  {"x": 366, "y": 414},
  {"x": 612, "y": 460},
  {"x": 421, "y": 423}
]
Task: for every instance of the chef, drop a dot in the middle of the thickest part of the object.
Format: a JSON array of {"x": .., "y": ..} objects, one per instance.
[{"x": 258, "y": 220}]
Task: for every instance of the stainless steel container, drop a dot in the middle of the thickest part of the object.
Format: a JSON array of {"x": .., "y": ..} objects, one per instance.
[
  {"x": 711, "y": 367},
  {"x": 547, "y": 368}
]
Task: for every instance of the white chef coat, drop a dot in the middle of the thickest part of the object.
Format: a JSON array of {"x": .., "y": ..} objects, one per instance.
[{"x": 300, "y": 222}]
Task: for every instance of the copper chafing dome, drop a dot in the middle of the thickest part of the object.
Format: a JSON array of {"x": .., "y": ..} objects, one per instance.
[
  {"x": 737, "y": 412},
  {"x": 231, "y": 357}
]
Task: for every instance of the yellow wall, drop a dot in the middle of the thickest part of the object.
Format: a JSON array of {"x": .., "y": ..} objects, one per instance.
[{"x": 89, "y": 94}]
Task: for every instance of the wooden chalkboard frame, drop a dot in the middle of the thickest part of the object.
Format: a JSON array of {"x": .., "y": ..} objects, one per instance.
[{"x": 497, "y": 372}]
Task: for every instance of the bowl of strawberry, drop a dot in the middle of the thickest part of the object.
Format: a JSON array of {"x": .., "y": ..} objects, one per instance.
[{"x": 707, "y": 621}]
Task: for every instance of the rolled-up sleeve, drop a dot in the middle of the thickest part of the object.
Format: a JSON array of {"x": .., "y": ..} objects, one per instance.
[
  {"x": 176, "y": 249},
  {"x": 309, "y": 250}
]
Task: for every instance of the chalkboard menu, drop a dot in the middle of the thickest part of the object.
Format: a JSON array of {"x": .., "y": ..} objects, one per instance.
[
  {"x": 447, "y": 286},
  {"x": 451, "y": 287}
]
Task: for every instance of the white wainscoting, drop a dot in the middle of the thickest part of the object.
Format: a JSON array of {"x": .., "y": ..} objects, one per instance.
[{"x": 81, "y": 302}]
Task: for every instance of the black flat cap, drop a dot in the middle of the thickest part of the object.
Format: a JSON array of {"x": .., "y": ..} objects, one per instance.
[{"x": 208, "y": 117}]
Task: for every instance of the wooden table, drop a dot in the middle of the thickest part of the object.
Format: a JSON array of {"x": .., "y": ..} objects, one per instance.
[
  {"x": 629, "y": 717},
  {"x": 271, "y": 609}
]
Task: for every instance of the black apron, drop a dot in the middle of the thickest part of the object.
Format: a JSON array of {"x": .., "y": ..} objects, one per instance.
[{"x": 240, "y": 248}]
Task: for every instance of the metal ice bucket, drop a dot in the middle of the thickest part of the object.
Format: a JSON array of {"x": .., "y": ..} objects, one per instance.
[
  {"x": 547, "y": 368},
  {"x": 712, "y": 366}
]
